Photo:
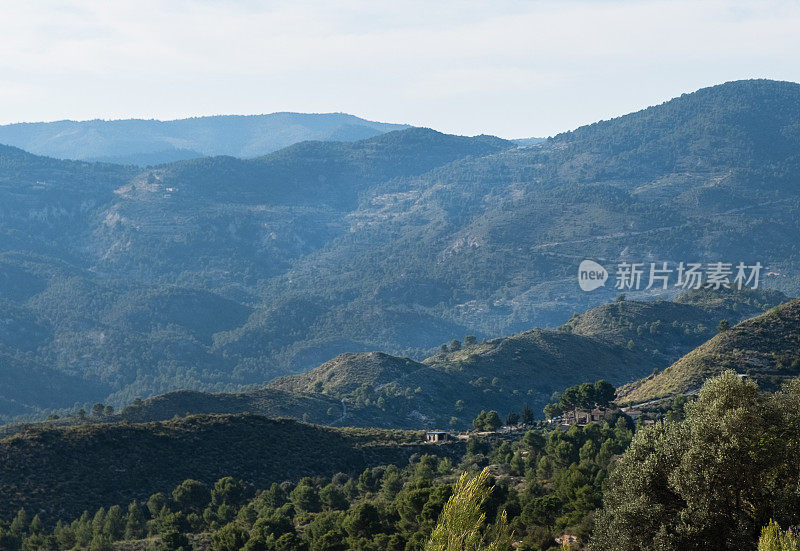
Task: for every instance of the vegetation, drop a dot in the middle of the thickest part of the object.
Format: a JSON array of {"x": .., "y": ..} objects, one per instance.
[
  {"x": 109, "y": 274},
  {"x": 461, "y": 526},
  {"x": 774, "y": 539},
  {"x": 710, "y": 481},
  {"x": 584, "y": 396},
  {"x": 66, "y": 470},
  {"x": 542, "y": 483},
  {"x": 763, "y": 349}
]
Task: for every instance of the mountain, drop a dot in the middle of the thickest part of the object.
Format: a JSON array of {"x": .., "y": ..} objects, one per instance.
[
  {"x": 765, "y": 349},
  {"x": 152, "y": 142},
  {"x": 64, "y": 471},
  {"x": 621, "y": 342},
  {"x": 137, "y": 287},
  {"x": 219, "y": 273}
]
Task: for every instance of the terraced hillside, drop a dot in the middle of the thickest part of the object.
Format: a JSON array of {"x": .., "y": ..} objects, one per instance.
[{"x": 218, "y": 274}]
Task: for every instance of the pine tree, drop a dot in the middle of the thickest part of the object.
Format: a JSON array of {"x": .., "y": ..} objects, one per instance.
[
  {"x": 526, "y": 415},
  {"x": 775, "y": 539},
  {"x": 134, "y": 522},
  {"x": 462, "y": 524}
]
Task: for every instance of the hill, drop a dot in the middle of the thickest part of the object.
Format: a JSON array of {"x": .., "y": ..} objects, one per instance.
[
  {"x": 63, "y": 471},
  {"x": 152, "y": 142},
  {"x": 765, "y": 348},
  {"x": 269, "y": 402},
  {"x": 670, "y": 329},
  {"x": 620, "y": 342},
  {"x": 398, "y": 242}
]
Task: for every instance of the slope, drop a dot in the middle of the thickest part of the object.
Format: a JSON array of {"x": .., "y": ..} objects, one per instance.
[
  {"x": 765, "y": 348},
  {"x": 66, "y": 470},
  {"x": 621, "y": 342}
]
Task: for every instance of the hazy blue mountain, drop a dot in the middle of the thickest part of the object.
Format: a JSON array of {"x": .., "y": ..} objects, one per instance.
[
  {"x": 219, "y": 272},
  {"x": 151, "y": 142},
  {"x": 143, "y": 281}
]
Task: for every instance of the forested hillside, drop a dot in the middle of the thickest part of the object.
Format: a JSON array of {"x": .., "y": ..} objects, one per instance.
[
  {"x": 765, "y": 349},
  {"x": 619, "y": 342},
  {"x": 62, "y": 471},
  {"x": 220, "y": 273}
]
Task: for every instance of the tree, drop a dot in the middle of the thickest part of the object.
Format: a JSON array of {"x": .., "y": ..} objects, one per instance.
[
  {"x": 134, "y": 522},
  {"x": 230, "y": 537},
  {"x": 479, "y": 421},
  {"x": 723, "y": 326},
  {"x": 585, "y": 395},
  {"x": 305, "y": 498},
  {"x": 512, "y": 419},
  {"x": 37, "y": 527},
  {"x": 462, "y": 524},
  {"x": 274, "y": 496},
  {"x": 174, "y": 540},
  {"x": 492, "y": 421},
  {"x": 455, "y": 345},
  {"x": 114, "y": 526},
  {"x": 191, "y": 496},
  {"x": 709, "y": 481},
  {"x": 228, "y": 491},
  {"x": 20, "y": 524},
  {"x": 392, "y": 483},
  {"x": 526, "y": 416},
  {"x": 487, "y": 421},
  {"x": 774, "y": 539},
  {"x": 551, "y": 410},
  {"x": 108, "y": 411},
  {"x": 362, "y": 521},
  {"x": 332, "y": 498},
  {"x": 156, "y": 503},
  {"x": 470, "y": 340},
  {"x": 676, "y": 410},
  {"x": 604, "y": 393},
  {"x": 97, "y": 410}
]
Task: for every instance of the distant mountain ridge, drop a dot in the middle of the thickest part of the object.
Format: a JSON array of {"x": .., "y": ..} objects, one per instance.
[
  {"x": 151, "y": 142},
  {"x": 220, "y": 273}
]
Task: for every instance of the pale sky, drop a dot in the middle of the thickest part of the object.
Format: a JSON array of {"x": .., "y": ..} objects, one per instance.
[{"x": 509, "y": 68}]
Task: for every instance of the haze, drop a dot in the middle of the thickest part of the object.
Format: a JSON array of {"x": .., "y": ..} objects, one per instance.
[{"x": 512, "y": 69}]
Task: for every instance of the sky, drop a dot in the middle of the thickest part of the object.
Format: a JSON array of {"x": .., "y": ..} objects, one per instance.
[{"x": 510, "y": 68}]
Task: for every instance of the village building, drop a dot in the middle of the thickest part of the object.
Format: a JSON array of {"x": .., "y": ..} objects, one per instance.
[
  {"x": 436, "y": 436},
  {"x": 584, "y": 417}
]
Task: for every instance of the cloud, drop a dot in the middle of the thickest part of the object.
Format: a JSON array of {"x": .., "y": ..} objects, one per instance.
[{"x": 510, "y": 68}]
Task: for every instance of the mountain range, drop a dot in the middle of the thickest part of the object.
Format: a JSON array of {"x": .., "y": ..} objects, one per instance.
[
  {"x": 621, "y": 342},
  {"x": 220, "y": 273},
  {"x": 151, "y": 142}
]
